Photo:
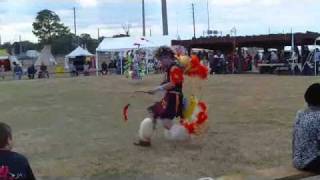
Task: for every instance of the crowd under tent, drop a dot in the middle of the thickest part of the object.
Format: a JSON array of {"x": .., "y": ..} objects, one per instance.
[
  {"x": 124, "y": 44},
  {"x": 78, "y": 58}
]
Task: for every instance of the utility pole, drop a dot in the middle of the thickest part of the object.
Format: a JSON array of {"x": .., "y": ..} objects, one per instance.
[
  {"x": 98, "y": 33},
  {"x": 143, "y": 20},
  {"x": 20, "y": 46},
  {"x": 164, "y": 17},
  {"x": 75, "y": 26},
  {"x": 194, "y": 23},
  {"x": 208, "y": 13},
  {"x": 74, "y": 21}
]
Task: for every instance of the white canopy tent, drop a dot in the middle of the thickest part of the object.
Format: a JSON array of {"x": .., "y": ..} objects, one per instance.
[
  {"x": 125, "y": 44},
  {"x": 116, "y": 44},
  {"x": 32, "y": 54},
  {"x": 78, "y": 52}
]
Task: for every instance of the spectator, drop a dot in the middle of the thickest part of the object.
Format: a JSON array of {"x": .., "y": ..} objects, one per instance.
[
  {"x": 230, "y": 63},
  {"x": 104, "y": 68},
  {"x": 247, "y": 63},
  {"x": 110, "y": 67},
  {"x": 306, "y": 132},
  {"x": 13, "y": 166},
  {"x": 73, "y": 70},
  {"x": 237, "y": 63},
  {"x": 266, "y": 57},
  {"x": 274, "y": 57},
  {"x": 17, "y": 71},
  {"x": 43, "y": 72},
  {"x": 211, "y": 63},
  {"x": 86, "y": 71},
  {"x": 222, "y": 63},
  {"x": 2, "y": 72},
  {"x": 31, "y": 72},
  {"x": 305, "y": 54},
  {"x": 216, "y": 64},
  {"x": 257, "y": 59}
]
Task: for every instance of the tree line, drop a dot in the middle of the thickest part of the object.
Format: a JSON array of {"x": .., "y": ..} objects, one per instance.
[{"x": 49, "y": 29}]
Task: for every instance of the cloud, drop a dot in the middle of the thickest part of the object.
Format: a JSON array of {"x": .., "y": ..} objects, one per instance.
[
  {"x": 248, "y": 16},
  {"x": 88, "y": 3}
]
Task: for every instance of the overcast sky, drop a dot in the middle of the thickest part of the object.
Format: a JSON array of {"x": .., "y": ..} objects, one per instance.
[{"x": 248, "y": 16}]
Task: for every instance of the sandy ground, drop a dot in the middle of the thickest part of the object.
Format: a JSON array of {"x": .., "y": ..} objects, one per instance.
[{"x": 74, "y": 127}]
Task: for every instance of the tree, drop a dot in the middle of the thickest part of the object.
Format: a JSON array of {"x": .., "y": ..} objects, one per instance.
[
  {"x": 85, "y": 39},
  {"x": 23, "y": 46},
  {"x": 47, "y": 27},
  {"x": 120, "y": 35},
  {"x": 7, "y": 46},
  {"x": 88, "y": 42},
  {"x": 63, "y": 44}
]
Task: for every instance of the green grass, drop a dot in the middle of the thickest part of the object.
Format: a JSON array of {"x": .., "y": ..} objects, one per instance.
[
  {"x": 3, "y": 52},
  {"x": 74, "y": 127}
]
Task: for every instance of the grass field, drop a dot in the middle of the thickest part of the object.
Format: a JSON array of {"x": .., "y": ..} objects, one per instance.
[{"x": 74, "y": 127}]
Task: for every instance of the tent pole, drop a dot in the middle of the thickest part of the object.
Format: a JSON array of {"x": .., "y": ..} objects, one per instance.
[
  {"x": 147, "y": 70},
  {"x": 315, "y": 68},
  {"x": 97, "y": 63},
  {"x": 121, "y": 63}
]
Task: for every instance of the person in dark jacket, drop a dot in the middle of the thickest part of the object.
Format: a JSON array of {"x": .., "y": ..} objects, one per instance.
[
  {"x": 31, "y": 72},
  {"x": 13, "y": 166},
  {"x": 17, "y": 71},
  {"x": 104, "y": 68}
]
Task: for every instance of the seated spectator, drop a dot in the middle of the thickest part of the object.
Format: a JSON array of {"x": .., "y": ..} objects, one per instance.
[
  {"x": 13, "y": 166},
  {"x": 306, "y": 133},
  {"x": 43, "y": 73},
  {"x": 274, "y": 57},
  {"x": 104, "y": 68}
]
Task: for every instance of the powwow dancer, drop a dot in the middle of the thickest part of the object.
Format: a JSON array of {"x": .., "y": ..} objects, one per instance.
[
  {"x": 134, "y": 68},
  {"x": 170, "y": 106},
  {"x": 192, "y": 112}
]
